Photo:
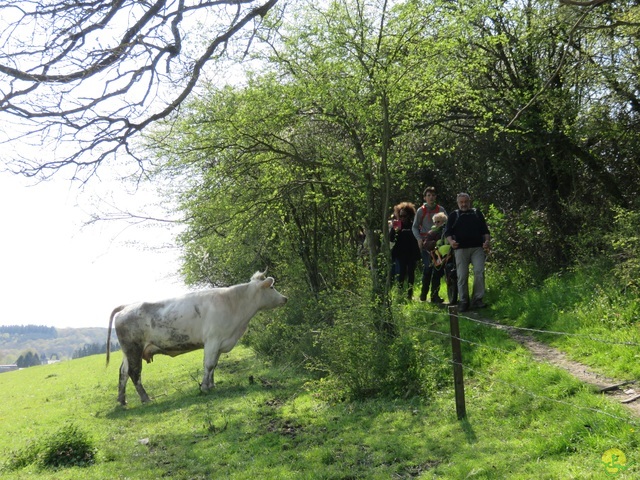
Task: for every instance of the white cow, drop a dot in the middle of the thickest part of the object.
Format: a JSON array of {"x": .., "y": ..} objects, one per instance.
[{"x": 211, "y": 319}]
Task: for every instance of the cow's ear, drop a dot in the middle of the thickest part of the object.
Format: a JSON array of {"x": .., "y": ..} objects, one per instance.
[{"x": 268, "y": 283}]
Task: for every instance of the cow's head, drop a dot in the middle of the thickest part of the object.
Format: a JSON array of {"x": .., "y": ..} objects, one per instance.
[{"x": 268, "y": 297}]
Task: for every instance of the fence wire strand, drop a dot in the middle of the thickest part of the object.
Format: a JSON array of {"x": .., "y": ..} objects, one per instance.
[
  {"x": 502, "y": 326},
  {"x": 549, "y": 332},
  {"x": 533, "y": 394},
  {"x": 524, "y": 352},
  {"x": 508, "y": 329}
]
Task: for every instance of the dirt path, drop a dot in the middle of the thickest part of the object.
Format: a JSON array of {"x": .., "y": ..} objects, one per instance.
[{"x": 627, "y": 393}]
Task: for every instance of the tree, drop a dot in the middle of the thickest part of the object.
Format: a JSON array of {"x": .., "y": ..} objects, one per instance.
[
  {"x": 29, "y": 359},
  {"x": 370, "y": 70},
  {"x": 610, "y": 116},
  {"x": 317, "y": 141},
  {"x": 94, "y": 349},
  {"x": 95, "y": 74},
  {"x": 532, "y": 117},
  {"x": 256, "y": 180}
]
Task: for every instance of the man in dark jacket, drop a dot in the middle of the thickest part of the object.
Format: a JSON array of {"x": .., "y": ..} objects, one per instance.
[{"x": 468, "y": 234}]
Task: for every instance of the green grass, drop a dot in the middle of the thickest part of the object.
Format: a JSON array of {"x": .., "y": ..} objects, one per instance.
[
  {"x": 598, "y": 322},
  {"x": 525, "y": 421}
]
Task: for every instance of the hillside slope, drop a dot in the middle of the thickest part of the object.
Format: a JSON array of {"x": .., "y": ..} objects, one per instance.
[
  {"x": 266, "y": 422},
  {"x": 67, "y": 341}
]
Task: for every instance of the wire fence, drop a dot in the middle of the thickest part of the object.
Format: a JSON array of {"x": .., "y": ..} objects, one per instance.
[
  {"x": 523, "y": 353},
  {"x": 514, "y": 331},
  {"x": 547, "y": 332},
  {"x": 521, "y": 389}
]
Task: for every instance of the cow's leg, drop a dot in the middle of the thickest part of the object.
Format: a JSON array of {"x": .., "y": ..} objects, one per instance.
[
  {"x": 135, "y": 372},
  {"x": 122, "y": 382},
  {"x": 211, "y": 356}
]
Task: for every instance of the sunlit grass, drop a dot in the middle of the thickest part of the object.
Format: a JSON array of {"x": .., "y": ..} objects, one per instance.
[
  {"x": 525, "y": 420},
  {"x": 594, "y": 321}
]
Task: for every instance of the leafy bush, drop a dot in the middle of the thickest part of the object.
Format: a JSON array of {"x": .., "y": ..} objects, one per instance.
[
  {"x": 359, "y": 360},
  {"x": 353, "y": 352},
  {"x": 68, "y": 447},
  {"x": 417, "y": 367},
  {"x": 286, "y": 335},
  {"x": 522, "y": 241},
  {"x": 625, "y": 243}
]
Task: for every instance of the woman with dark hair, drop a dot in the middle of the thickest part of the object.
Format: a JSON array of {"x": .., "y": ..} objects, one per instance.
[{"x": 405, "y": 252}]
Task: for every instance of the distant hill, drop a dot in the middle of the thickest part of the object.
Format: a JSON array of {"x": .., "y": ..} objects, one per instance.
[{"x": 56, "y": 343}]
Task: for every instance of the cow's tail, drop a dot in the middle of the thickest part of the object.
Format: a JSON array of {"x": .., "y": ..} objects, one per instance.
[{"x": 113, "y": 314}]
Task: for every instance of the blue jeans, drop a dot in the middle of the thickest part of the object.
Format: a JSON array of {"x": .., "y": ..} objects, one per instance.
[{"x": 476, "y": 257}]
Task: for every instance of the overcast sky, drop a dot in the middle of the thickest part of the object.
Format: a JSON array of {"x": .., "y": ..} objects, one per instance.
[{"x": 55, "y": 272}]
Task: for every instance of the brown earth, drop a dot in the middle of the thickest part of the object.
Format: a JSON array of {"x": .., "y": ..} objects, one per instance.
[{"x": 625, "y": 392}]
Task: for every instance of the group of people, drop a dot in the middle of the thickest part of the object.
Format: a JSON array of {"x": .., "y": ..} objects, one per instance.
[{"x": 417, "y": 234}]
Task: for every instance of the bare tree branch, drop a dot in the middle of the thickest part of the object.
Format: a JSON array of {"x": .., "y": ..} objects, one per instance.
[{"x": 94, "y": 73}]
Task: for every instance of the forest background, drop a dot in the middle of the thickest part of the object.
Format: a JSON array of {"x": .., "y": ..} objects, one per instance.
[{"x": 530, "y": 106}]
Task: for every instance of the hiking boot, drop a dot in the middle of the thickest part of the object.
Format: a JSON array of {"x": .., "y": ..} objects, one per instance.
[
  {"x": 463, "y": 307},
  {"x": 436, "y": 300},
  {"x": 478, "y": 304},
  {"x": 423, "y": 297}
]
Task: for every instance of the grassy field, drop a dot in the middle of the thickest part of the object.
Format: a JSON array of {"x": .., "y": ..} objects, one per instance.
[{"x": 525, "y": 421}]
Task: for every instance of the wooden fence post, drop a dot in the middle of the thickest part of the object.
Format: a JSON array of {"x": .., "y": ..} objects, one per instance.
[{"x": 458, "y": 380}]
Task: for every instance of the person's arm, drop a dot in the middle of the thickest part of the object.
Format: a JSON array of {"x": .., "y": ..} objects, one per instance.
[
  {"x": 487, "y": 242},
  {"x": 448, "y": 233},
  {"x": 415, "y": 228},
  {"x": 486, "y": 237}
]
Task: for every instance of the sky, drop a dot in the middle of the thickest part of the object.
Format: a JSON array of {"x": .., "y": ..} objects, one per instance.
[
  {"x": 54, "y": 270},
  {"x": 57, "y": 271}
]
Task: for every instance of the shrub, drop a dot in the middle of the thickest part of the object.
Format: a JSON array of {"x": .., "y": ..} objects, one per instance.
[
  {"x": 523, "y": 239},
  {"x": 360, "y": 360},
  {"x": 625, "y": 242},
  {"x": 354, "y": 353},
  {"x": 286, "y": 335},
  {"x": 68, "y": 447},
  {"x": 337, "y": 335},
  {"x": 417, "y": 367}
]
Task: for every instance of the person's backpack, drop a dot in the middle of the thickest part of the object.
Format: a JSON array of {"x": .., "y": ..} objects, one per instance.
[
  {"x": 457, "y": 212},
  {"x": 424, "y": 210}
]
